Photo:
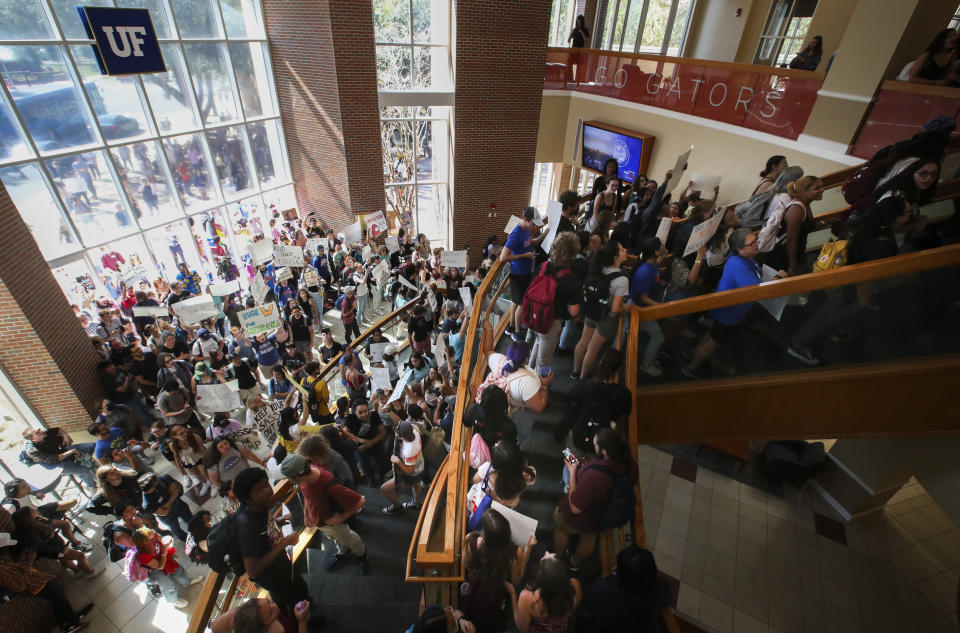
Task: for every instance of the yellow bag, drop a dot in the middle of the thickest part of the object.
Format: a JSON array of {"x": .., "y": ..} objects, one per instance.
[{"x": 832, "y": 255}]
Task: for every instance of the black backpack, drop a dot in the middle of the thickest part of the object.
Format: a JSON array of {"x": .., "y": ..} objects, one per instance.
[
  {"x": 620, "y": 505},
  {"x": 596, "y": 295},
  {"x": 115, "y": 551},
  {"x": 223, "y": 547}
]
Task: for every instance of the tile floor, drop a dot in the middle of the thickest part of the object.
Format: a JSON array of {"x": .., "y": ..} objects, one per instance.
[{"x": 745, "y": 561}]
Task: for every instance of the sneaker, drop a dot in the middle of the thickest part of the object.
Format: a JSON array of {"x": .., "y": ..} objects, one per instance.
[
  {"x": 803, "y": 354},
  {"x": 517, "y": 337},
  {"x": 510, "y": 332},
  {"x": 690, "y": 373},
  {"x": 85, "y": 610},
  {"x": 392, "y": 509},
  {"x": 181, "y": 603},
  {"x": 364, "y": 566},
  {"x": 410, "y": 505},
  {"x": 334, "y": 561},
  {"x": 204, "y": 488},
  {"x": 95, "y": 573},
  {"x": 188, "y": 482},
  {"x": 70, "y": 628},
  {"x": 652, "y": 370},
  {"x": 196, "y": 580},
  {"x": 213, "y": 489},
  {"x": 155, "y": 590},
  {"x": 574, "y": 376},
  {"x": 83, "y": 547}
]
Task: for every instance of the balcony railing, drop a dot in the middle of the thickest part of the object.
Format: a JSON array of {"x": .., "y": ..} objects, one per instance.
[{"x": 773, "y": 100}]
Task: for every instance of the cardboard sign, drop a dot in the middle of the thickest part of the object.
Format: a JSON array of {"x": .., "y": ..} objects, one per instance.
[
  {"x": 380, "y": 378},
  {"x": 151, "y": 311},
  {"x": 774, "y": 305},
  {"x": 195, "y": 309},
  {"x": 258, "y": 288},
  {"x": 663, "y": 231},
  {"x": 376, "y": 223},
  {"x": 260, "y": 251},
  {"x": 377, "y": 350},
  {"x": 465, "y": 296},
  {"x": 440, "y": 351},
  {"x": 453, "y": 259},
  {"x": 392, "y": 242},
  {"x": 432, "y": 301},
  {"x": 285, "y": 255},
  {"x": 353, "y": 233},
  {"x": 313, "y": 245},
  {"x": 403, "y": 280},
  {"x": 705, "y": 184},
  {"x": 311, "y": 277},
  {"x": 398, "y": 390},
  {"x": 221, "y": 289},
  {"x": 512, "y": 224},
  {"x": 554, "y": 211},
  {"x": 522, "y": 527},
  {"x": 260, "y": 319},
  {"x": 678, "y": 171},
  {"x": 218, "y": 397},
  {"x": 284, "y": 273},
  {"x": 702, "y": 232}
]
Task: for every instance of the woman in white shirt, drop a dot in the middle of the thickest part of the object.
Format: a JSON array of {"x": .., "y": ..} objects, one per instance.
[{"x": 524, "y": 386}]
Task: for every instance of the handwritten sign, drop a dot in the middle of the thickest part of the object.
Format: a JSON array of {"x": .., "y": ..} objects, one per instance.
[
  {"x": 376, "y": 351},
  {"x": 217, "y": 397},
  {"x": 311, "y": 277},
  {"x": 353, "y": 233},
  {"x": 313, "y": 245},
  {"x": 151, "y": 311},
  {"x": 466, "y": 296},
  {"x": 195, "y": 309},
  {"x": 284, "y": 273},
  {"x": 663, "y": 231},
  {"x": 260, "y": 319},
  {"x": 403, "y": 280},
  {"x": 398, "y": 390},
  {"x": 286, "y": 255},
  {"x": 440, "y": 351},
  {"x": 224, "y": 288},
  {"x": 392, "y": 242},
  {"x": 512, "y": 224},
  {"x": 260, "y": 252},
  {"x": 678, "y": 168},
  {"x": 380, "y": 378},
  {"x": 376, "y": 223},
  {"x": 135, "y": 273},
  {"x": 258, "y": 288},
  {"x": 453, "y": 259},
  {"x": 702, "y": 233}
]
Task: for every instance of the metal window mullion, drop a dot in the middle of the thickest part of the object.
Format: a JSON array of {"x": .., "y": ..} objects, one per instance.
[
  {"x": 211, "y": 169},
  {"x": 234, "y": 88},
  {"x": 192, "y": 92},
  {"x": 671, "y": 16},
  {"x": 251, "y": 166},
  {"x": 686, "y": 29},
  {"x": 271, "y": 80},
  {"x": 613, "y": 23},
  {"x": 218, "y": 11},
  {"x": 641, "y": 26},
  {"x": 626, "y": 18},
  {"x": 47, "y": 179}
]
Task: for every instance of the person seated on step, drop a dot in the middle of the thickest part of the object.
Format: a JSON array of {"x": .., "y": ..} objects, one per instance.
[
  {"x": 437, "y": 619},
  {"x": 631, "y": 598},
  {"x": 116, "y": 488},
  {"x": 524, "y": 386},
  {"x": 33, "y": 532},
  {"x": 262, "y": 615},
  {"x": 504, "y": 477},
  {"x": 162, "y": 497},
  {"x": 328, "y": 505},
  {"x": 114, "y": 446}
]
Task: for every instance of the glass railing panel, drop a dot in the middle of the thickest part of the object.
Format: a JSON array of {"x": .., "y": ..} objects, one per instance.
[{"x": 900, "y": 317}]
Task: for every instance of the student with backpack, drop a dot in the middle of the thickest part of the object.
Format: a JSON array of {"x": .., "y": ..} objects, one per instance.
[
  {"x": 645, "y": 290},
  {"x": 554, "y": 296},
  {"x": 605, "y": 293},
  {"x": 153, "y": 557},
  {"x": 601, "y": 496},
  {"x": 518, "y": 251}
]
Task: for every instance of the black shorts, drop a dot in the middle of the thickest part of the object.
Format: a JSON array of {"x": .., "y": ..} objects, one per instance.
[
  {"x": 518, "y": 287},
  {"x": 724, "y": 333}
]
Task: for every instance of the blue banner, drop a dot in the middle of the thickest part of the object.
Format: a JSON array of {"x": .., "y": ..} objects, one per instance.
[{"x": 126, "y": 41}]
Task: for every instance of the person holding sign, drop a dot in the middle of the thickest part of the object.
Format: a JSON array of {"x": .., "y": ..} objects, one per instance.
[{"x": 519, "y": 252}]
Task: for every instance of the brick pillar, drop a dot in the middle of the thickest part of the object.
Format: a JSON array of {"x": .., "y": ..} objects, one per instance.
[
  {"x": 48, "y": 357},
  {"x": 497, "y": 115},
  {"x": 561, "y": 180},
  {"x": 324, "y": 65}
]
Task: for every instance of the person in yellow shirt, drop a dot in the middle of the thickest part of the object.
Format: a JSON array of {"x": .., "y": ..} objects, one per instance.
[{"x": 316, "y": 395}]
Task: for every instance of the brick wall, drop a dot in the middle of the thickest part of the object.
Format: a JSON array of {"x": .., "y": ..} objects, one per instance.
[
  {"x": 500, "y": 58},
  {"x": 325, "y": 74},
  {"x": 46, "y": 355}
]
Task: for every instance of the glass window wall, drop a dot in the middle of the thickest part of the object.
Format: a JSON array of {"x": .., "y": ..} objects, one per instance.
[{"x": 635, "y": 26}]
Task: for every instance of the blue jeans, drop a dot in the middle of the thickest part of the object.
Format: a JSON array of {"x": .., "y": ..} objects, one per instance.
[
  {"x": 361, "y": 308},
  {"x": 571, "y": 334},
  {"x": 179, "y": 511},
  {"x": 168, "y": 582},
  {"x": 71, "y": 467}
]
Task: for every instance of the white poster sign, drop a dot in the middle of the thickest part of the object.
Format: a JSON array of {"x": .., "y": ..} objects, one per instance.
[
  {"x": 702, "y": 233},
  {"x": 260, "y": 251},
  {"x": 392, "y": 242},
  {"x": 284, "y": 273},
  {"x": 432, "y": 301},
  {"x": 311, "y": 277},
  {"x": 465, "y": 296},
  {"x": 151, "y": 311},
  {"x": 133, "y": 274},
  {"x": 403, "y": 280},
  {"x": 663, "y": 231},
  {"x": 511, "y": 224},
  {"x": 260, "y": 319},
  {"x": 195, "y": 309},
  {"x": 353, "y": 233},
  {"x": 380, "y": 272},
  {"x": 705, "y": 184},
  {"x": 380, "y": 378},
  {"x": 258, "y": 288},
  {"x": 313, "y": 245},
  {"x": 217, "y": 397},
  {"x": 440, "y": 351},
  {"x": 453, "y": 259},
  {"x": 678, "y": 169},
  {"x": 376, "y": 223},
  {"x": 398, "y": 390},
  {"x": 522, "y": 527},
  {"x": 377, "y": 350},
  {"x": 223, "y": 288},
  {"x": 554, "y": 209},
  {"x": 286, "y": 255},
  {"x": 774, "y": 305}
]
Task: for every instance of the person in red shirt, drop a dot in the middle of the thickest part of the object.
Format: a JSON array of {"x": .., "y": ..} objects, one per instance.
[
  {"x": 328, "y": 506},
  {"x": 158, "y": 556}
]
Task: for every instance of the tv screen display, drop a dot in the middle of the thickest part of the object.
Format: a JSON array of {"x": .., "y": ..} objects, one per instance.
[{"x": 600, "y": 144}]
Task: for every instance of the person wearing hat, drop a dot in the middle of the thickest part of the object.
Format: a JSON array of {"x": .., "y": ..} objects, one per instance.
[
  {"x": 519, "y": 252},
  {"x": 162, "y": 498},
  {"x": 206, "y": 342},
  {"x": 408, "y": 469},
  {"x": 328, "y": 504}
]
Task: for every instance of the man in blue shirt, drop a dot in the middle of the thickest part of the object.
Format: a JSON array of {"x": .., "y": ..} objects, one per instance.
[
  {"x": 519, "y": 252},
  {"x": 740, "y": 271},
  {"x": 644, "y": 291}
]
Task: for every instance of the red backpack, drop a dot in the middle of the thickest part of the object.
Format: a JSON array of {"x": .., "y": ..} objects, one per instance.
[{"x": 537, "y": 309}]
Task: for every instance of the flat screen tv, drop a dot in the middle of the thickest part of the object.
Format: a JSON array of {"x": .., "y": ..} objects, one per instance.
[{"x": 601, "y": 142}]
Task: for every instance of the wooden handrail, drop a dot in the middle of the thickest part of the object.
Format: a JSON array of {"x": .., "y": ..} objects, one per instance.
[
  {"x": 666, "y": 59},
  {"x": 846, "y": 275},
  {"x": 921, "y": 89}
]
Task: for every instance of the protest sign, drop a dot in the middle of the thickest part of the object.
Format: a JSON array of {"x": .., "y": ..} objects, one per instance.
[
  {"x": 134, "y": 273},
  {"x": 554, "y": 209},
  {"x": 352, "y": 234},
  {"x": 392, "y": 242},
  {"x": 223, "y": 288},
  {"x": 453, "y": 259},
  {"x": 260, "y": 319},
  {"x": 403, "y": 280},
  {"x": 663, "y": 231},
  {"x": 705, "y": 184},
  {"x": 511, "y": 224},
  {"x": 217, "y": 397},
  {"x": 398, "y": 390},
  {"x": 440, "y": 351},
  {"x": 286, "y": 255},
  {"x": 284, "y": 273},
  {"x": 258, "y": 288},
  {"x": 522, "y": 527},
  {"x": 466, "y": 296},
  {"x": 260, "y": 252},
  {"x": 195, "y": 309},
  {"x": 151, "y": 311},
  {"x": 376, "y": 223},
  {"x": 678, "y": 168},
  {"x": 313, "y": 245},
  {"x": 379, "y": 378},
  {"x": 774, "y": 305},
  {"x": 311, "y": 277},
  {"x": 376, "y": 351},
  {"x": 702, "y": 233}
]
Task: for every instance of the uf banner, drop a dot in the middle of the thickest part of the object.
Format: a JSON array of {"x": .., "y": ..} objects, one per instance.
[{"x": 126, "y": 42}]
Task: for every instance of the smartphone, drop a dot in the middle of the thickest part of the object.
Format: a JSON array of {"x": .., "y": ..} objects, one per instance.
[{"x": 570, "y": 458}]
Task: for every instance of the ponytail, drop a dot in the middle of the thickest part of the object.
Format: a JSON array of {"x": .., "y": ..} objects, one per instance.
[
  {"x": 772, "y": 162},
  {"x": 801, "y": 184}
]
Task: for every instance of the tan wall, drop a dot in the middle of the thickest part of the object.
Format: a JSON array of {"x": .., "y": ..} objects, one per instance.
[
  {"x": 830, "y": 21},
  {"x": 737, "y": 158},
  {"x": 715, "y": 32},
  {"x": 756, "y": 18}
]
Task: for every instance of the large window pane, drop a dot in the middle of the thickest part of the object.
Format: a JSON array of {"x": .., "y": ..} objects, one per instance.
[
  {"x": 46, "y": 97},
  {"x": 173, "y": 244},
  {"x": 399, "y": 161},
  {"x": 230, "y": 160},
  {"x": 253, "y": 83},
  {"x": 391, "y": 20},
  {"x": 618, "y": 26},
  {"x": 431, "y": 165},
  {"x": 240, "y": 18},
  {"x": 169, "y": 95},
  {"x": 432, "y": 211},
  {"x": 157, "y": 15},
  {"x": 633, "y": 24},
  {"x": 12, "y": 146},
  {"x": 431, "y": 20},
  {"x": 190, "y": 174},
  {"x": 195, "y": 18},
  {"x": 91, "y": 197},
  {"x": 267, "y": 146},
  {"x": 69, "y": 18},
  {"x": 679, "y": 26},
  {"x": 278, "y": 201},
  {"x": 210, "y": 234},
  {"x": 115, "y": 100},
  {"x": 402, "y": 201},
  {"x": 655, "y": 28},
  {"x": 79, "y": 284},
  {"x": 141, "y": 173},
  {"x": 433, "y": 67},
  {"x": 136, "y": 270},
  {"x": 23, "y": 20},
  {"x": 248, "y": 220},
  {"x": 393, "y": 67},
  {"x": 211, "y": 83},
  {"x": 39, "y": 210}
]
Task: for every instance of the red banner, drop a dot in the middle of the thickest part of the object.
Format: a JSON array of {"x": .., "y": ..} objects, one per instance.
[
  {"x": 759, "y": 100},
  {"x": 897, "y": 115}
]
